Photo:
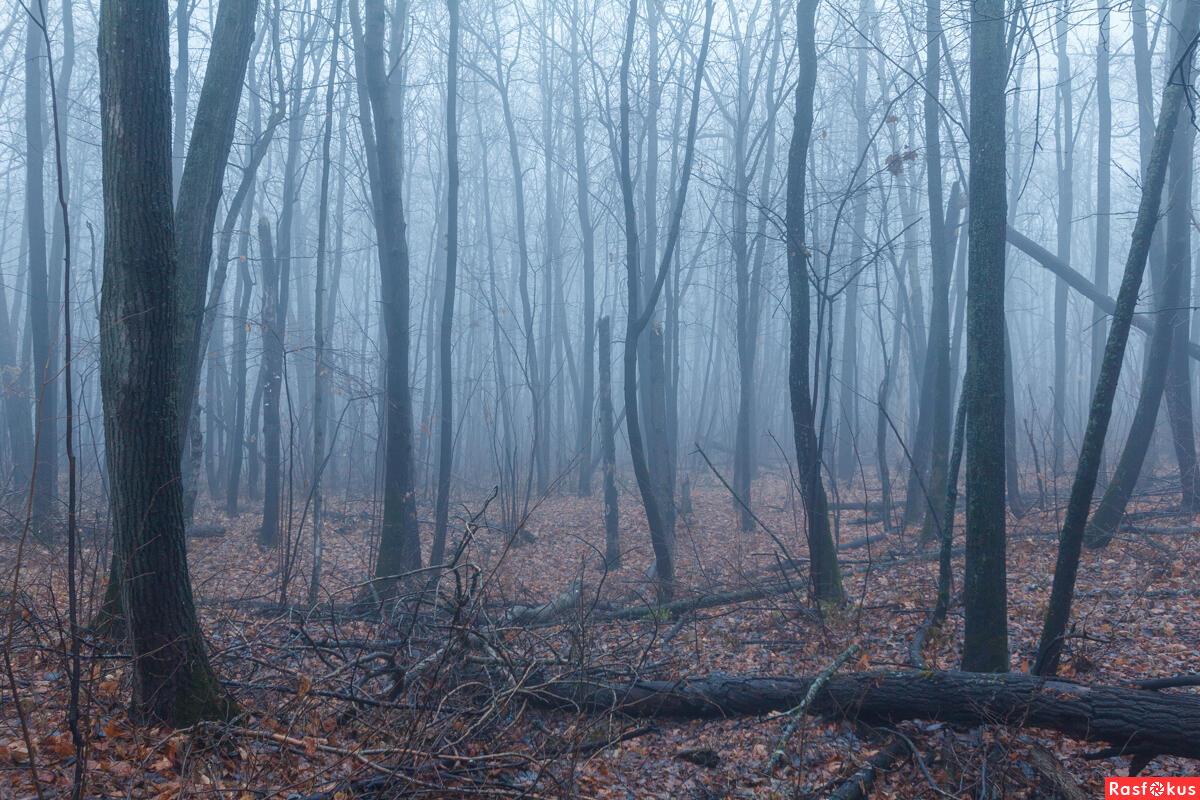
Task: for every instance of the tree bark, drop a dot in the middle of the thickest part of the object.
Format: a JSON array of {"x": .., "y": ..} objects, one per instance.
[
  {"x": 985, "y": 590},
  {"x": 173, "y": 681},
  {"x": 1132, "y": 721}
]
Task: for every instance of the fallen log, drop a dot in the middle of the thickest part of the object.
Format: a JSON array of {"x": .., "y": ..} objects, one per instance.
[{"x": 1131, "y": 721}]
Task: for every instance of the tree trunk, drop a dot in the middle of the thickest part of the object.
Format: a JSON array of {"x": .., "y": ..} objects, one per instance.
[
  {"x": 985, "y": 590},
  {"x": 45, "y": 383},
  {"x": 399, "y": 543},
  {"x": 938, "y": 402},
  {"x": 320, "y": 324},
  {"x": 272, "y": 378},
  {"x": 445, "y": 335},
  {"x": 1064, "y": 150},
  {"x": 826, "y": 576},
  {"x": 847, "y": 441},
  {"x": 202, "y": 180},
  {"x": 587, "y": 355},
  {"x": 1132, "y": 721},
  {"x": 173, "y": 681},
  {"x": 608, "y": 445}
]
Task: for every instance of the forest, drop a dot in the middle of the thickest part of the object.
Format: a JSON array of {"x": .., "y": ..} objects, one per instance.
[{"x": 598, "y": 399}]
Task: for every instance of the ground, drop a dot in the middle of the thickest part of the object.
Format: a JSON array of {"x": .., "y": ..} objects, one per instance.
[{"x": 338, "y": 699}]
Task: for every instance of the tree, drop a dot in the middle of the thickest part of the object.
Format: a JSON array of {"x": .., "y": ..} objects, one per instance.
[
  {"x": 985, "y": 590},
  {"x": 1058, "y": 610},
  {"x": 140, "y": 380},
  {"x": 612, "y": 529},
  {"x": 639, "y": 314},
  {"x": 445, "y": 338},
  {"x": 587, "y": 354},
  {"x": 45, "y": 383},
  {"x": 320, "y": 456},
  {"x": 826, "y": 576},
  {"x": 1167, "y": 323},
  {"x": 399, "y": 542}
]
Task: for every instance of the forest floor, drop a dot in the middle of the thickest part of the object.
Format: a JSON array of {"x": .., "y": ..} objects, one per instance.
[{"x": 336, "y": 702}]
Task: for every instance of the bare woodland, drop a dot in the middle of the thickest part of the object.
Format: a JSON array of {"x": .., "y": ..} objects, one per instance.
[{"x": 597, "y": 398}]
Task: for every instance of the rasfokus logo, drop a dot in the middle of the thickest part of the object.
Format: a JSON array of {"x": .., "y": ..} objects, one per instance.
[{"x": 1151, "y": 787}]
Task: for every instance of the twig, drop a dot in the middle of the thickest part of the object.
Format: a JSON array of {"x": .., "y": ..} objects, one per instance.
[{"x": 797, "y": 713}]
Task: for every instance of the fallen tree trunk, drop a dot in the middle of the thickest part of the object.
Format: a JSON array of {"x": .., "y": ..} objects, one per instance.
[{"x": 1131, "y": 721}]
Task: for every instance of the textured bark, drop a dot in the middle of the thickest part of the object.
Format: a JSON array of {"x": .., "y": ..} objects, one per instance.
[
  {"x": 173, "y": 681},
  {"x": 1133, "y": 721},
  {"x": 826, "y": 577},
  {"x": 985, "y": 590}
]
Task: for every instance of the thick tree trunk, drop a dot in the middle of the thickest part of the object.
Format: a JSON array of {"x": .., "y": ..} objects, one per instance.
[
  {"x": 985, "y": 590},
  {"x": 826, "y": 577},
  {"x": 1132, "y": 721},
  {"x": 173, "y": 681}
]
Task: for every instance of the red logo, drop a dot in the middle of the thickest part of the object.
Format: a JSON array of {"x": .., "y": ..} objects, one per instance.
[{"x": 1151, "y": 788}]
